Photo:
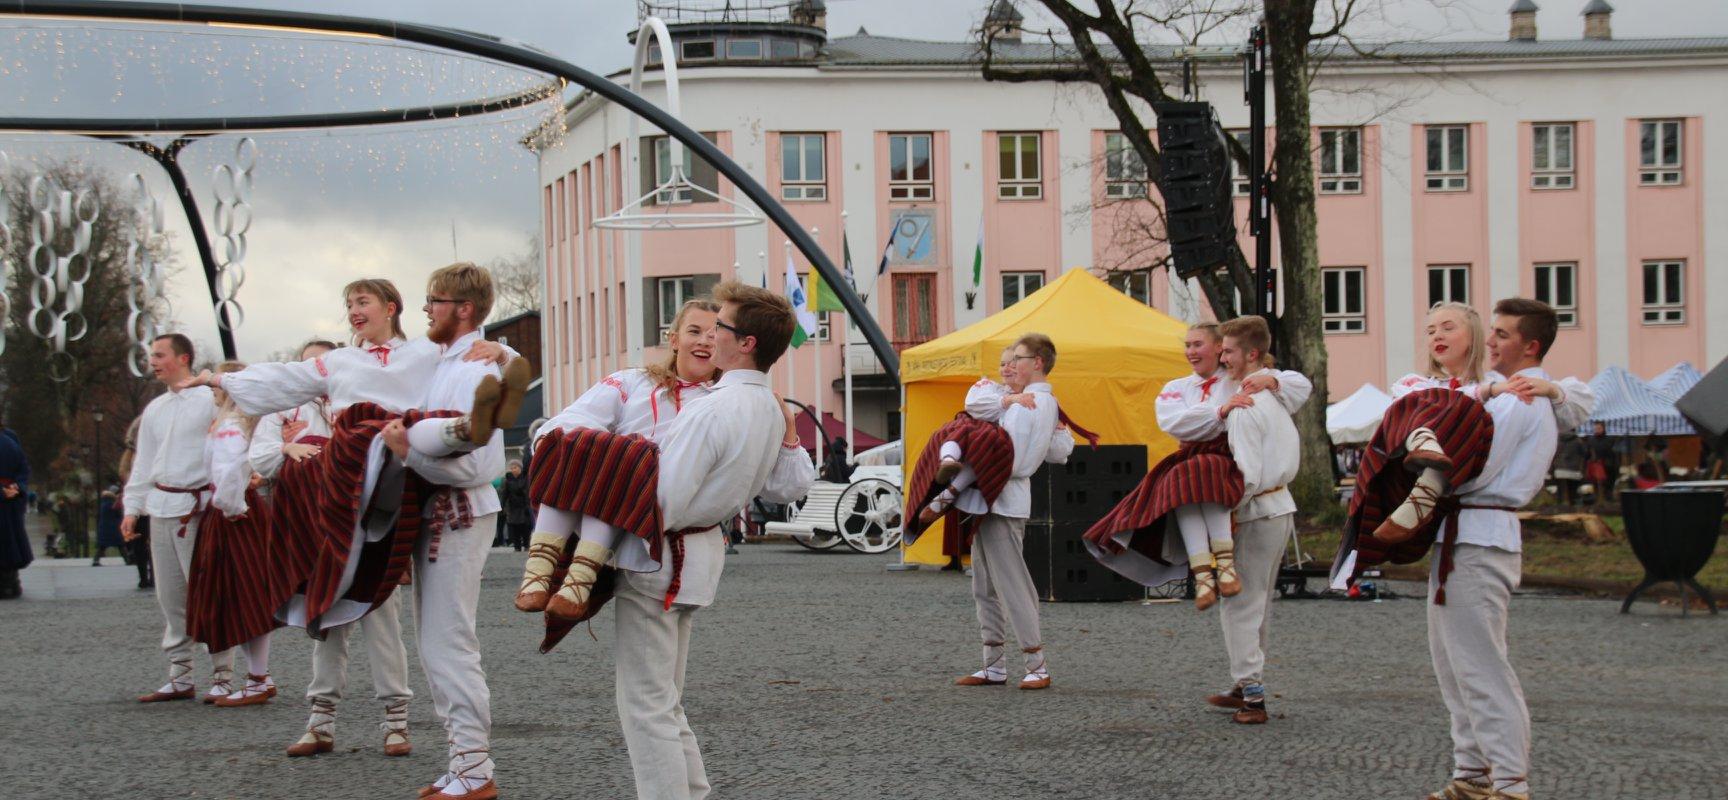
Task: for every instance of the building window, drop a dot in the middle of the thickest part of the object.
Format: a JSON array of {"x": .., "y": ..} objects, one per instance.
[
  {"x": 672, "y": 293},
  {"x": 1448, "y": 158},
  {"x": 1557, "y": 285},
  {"x": 653, "y": 53},
  {"x": 1017, "y": 286},
  {"x": 782, "y": 48},
  {"x": 1664, "y": 293},
  {"x": 1124, "y": 172},
  {"x": 1020, "y": 170},
  {"x": 803, "y": 166},
  {"x": 696, "y": 50},
  {"x": 744, "y": 48},
  {"x": 914, "y": 295},
  {"x": 1134, "y": 283},
  {"x": 1345, "y": 308},
  {"x": 911, "y": 173},
  {"x": 1240, "y": 181},
  {"x": 1341, "y": 161},
  {"x": 1551, "y": 158},
  {"x": 1449, "y": 284},
  {"x": 663, "y": 173},
  {"x": 1659, "y": 152}
]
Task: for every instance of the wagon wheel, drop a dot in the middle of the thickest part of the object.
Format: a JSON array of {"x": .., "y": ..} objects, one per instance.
[
  {"x": 868, "y": 516},
  {"x": 818, "y": 539},
  {"x": 1179, "y": 589}
]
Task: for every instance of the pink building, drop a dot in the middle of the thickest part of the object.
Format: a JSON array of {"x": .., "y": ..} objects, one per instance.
[{"x": 1572, "y": 171}]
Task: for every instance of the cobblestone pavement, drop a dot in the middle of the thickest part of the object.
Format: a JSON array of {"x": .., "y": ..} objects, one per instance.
[{"x": 820, "y": 675}]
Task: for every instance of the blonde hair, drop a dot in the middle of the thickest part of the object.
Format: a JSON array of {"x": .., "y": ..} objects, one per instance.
[
  {"x": 1251, "y": 333},
  {"x": 1211, "y": 329},
  {"x": 1478, "y": 344},
  {"x": 464, "y": 282},
  {"x": 385, "y": 291},
  {"x": 225, "y": 407},
  {"x": 666, "y": 374}
]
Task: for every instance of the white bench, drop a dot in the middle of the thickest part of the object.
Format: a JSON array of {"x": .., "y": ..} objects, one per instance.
[{"x": 815, "y": 518}]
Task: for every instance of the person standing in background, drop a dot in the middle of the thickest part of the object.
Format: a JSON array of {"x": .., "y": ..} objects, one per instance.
[
  {"x": 138, "y": 548},
  {"x": 518, "y": 520},
  {"x": 15, "y": 553},
  {"x": 109, "y": 510}
]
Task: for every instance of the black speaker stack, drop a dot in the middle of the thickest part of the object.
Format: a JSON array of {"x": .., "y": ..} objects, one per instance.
[
  {"x": 1066, "y": 500},
  {"x": 1199, "y": 215}
]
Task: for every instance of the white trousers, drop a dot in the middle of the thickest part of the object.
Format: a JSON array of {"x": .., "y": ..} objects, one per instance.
[
  {"x": 652, "y": 649},
  {"x": 1002, "y": 587},
  {"x": 1467, "y": 638},
  {"x": 384, "y": 651},
  {"x": 446, "y": 606},
  {"x": 171, "y": 554},
  {"x": 1248, "y": 616}
]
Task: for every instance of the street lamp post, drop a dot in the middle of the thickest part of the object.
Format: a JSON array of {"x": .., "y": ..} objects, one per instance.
[
  {"x": 97, "y": 418},
  {"x": 83, "y": 526}
]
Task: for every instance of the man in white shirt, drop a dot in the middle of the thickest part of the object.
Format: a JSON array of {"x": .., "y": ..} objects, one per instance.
[
  {"x": 716, "y": 456},
  {"x": 170, "y": 484},
  {"x": 451, "y": 554},
  {"x": 1001, "y": 584},
  {"x": 1267, "y": 450},
  {"x": 1472, "y": 580}
]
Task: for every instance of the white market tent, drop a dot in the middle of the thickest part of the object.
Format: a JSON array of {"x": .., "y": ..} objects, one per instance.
[
  {"x": 1353, "y": 419},
  {"x": 1676, "y": 381},
  {"x": 1627, "y": 406}
]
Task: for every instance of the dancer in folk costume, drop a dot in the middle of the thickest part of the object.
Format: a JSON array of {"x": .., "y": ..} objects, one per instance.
[
  {"x": 1476, "y": 488},
  {"x": 1001, "y": 584},
  {"x": 284, "y": 452},
  {"x": 227, "y": 600},
  {"x": 1194, "y": 487},
  {"x": 592, "y": 466},
  {"x": 170, "y": 483},
  {"x": 973, "y": 449},
  {"x": 449, "y": 560},
  {"x": 1268, "y": 452},
  {"x": 361, "y": 543}
]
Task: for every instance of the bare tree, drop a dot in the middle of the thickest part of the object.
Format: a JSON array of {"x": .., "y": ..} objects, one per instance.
[{"x": 516, "y": 280}]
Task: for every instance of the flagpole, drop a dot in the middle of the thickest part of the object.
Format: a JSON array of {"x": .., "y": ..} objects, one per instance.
[
  {"x": 845, "y": 350},
  {"x": 821, "y": 424},
  {"x": 792, "y": 362}
]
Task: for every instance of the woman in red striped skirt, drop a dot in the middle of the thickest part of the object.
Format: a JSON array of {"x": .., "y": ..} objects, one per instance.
[{"x": 228, "y": 601}]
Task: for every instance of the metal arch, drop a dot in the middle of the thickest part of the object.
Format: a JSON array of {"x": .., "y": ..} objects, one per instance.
[{"x": 496, "y": 50}]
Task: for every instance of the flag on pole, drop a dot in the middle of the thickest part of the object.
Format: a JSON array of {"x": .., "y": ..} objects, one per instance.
[
  {"x": 882, "y": 268},
  {"x": 806, "y": 326},
  {"x": 978, "y": 256},
  {"x": 822, "y": 297},
  {"x": 846, "y": 259}
]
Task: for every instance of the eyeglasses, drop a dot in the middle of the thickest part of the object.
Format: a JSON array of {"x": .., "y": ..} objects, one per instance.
[
  {"x": 1012, "y": 359},
  {"x": 718, "y": 322},
  {"x": 432, "y": 301}
]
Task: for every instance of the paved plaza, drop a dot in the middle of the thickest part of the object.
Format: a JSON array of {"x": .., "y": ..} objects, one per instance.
[{"x": 821, "y": 675}]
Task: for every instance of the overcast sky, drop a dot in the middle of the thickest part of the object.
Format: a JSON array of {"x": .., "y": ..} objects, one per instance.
[{"x": 330, "y": 208}]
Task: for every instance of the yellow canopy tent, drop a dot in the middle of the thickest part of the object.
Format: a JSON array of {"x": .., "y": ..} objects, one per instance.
[{"x": 1113, "y": 354}]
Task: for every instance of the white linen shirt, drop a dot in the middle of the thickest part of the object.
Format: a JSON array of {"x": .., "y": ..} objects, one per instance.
[
  {"x": 1268, "y": 451},
  {"x": 170, "y": 452},
  {"x": 451, "y": 388},
  {"x": 1577, "y": 399},
  {"x": 230, "y": 471},
  {"x": 1036, "y": 440},
  {"x": 1525, "y": 437},
  {"x": 266, "y": 451},
  {"x": 1187, "y": 407},
  {"x": 346, "y": 375},
  {"x": 715, "y": 457}
]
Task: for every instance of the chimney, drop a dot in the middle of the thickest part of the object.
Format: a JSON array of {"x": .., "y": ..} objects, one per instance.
[
  {"x": 810, "y": 12},
  {"x": 1523, "y": 21},
  {"x": 1596, "y": 16},
  {"x": 1003, "y": 22}
]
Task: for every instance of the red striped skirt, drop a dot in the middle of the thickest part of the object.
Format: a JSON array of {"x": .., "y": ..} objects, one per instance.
[
  {"x": 228, "y": 598},
  {"x": 382, "y": 564},
  {"x": 294, "y": 535},
  {"x": 1464, "y": 430},
  {"x": 1198, "y": 472},
  {"x": 986, "y": 448}
]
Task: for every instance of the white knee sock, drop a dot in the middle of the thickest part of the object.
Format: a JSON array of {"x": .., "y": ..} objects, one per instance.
[
  {"x": 950, "y": 451},
  {"x": 1218, "y": 528},
  {"x": 257, "y": 655},
  {"x": 555, "y": 524},
  {"x": 1430, "y": 486},
  {"x": 433, "y": 437},
  {"x": 1191, "y": 522},
  {"x": 946, "y": 497},
  {"x": 598, "y": 532}
]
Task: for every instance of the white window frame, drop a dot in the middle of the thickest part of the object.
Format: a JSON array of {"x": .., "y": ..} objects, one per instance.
[
  {"x": 803, "y": 188},
  {"x": 1137, "y": 284},
  {"x": 1454, "y": 173},
  {"x": 1340, "y": 317},
  {"x": 1545, "y": 153},
  {"x": 907, "y": 187},
  {"x": 684, "y": 50},
  {"x": 1240, "y": 184},
  {"x": 1122, "y": 178},
  {"x": 1548, "y": 278},
  {"x": 1658, "y": 310},
  {"x": 1017, "y": 185},
  {"x": 1657, "y": 170},
  {"x": 1019, "y": 281},
  {"x": 663, "y": 170},
  {"x": 1336, "y": 177},
  {"x": 681, "y": 288},
  {"x": 1448, "y": 279}
]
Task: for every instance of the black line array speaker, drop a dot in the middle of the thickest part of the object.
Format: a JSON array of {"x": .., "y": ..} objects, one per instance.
[
  {"x": 1199, "y": 215},
  {"x": 1066, "y": 500},
  {"x": 1706, "y": 405}
]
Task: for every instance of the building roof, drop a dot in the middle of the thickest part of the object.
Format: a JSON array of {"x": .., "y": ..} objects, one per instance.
[
  {"x": 864, "y": 50},
  {"x": 1597, "y": 7},
  {"x": 1004, "y": 11},
  {"x": 1523, "y": 6},
  {"x": 499, "y": 323}
]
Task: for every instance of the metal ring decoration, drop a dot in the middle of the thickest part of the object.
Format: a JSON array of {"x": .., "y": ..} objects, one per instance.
[
  {"x": 145, "y": 303},
  {"x": 61, "y": 230},
  {"x": 232, "y": 185}
]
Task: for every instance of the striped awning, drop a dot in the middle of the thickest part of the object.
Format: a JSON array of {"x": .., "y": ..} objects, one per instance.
[
  {"x": 1676, "y": 381},
  {"x": 1627, "y": 406}
]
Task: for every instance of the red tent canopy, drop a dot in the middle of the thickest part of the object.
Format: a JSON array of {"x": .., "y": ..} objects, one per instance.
[{"x": 807, "y": 433}]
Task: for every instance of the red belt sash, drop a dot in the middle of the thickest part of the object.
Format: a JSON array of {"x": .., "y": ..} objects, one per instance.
[
  {"x": 675, "y": 542},
  {"x": 197, "y": 502},
  {"x": 1449, "y": 542}
]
